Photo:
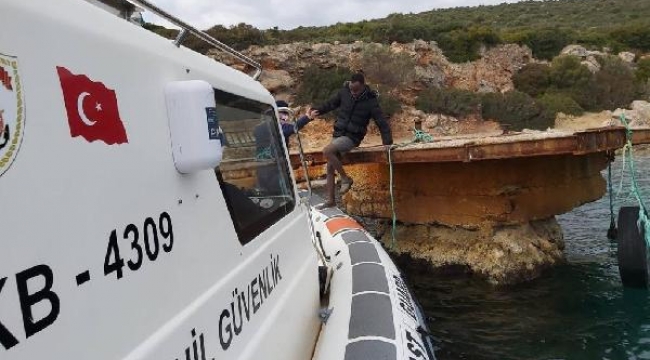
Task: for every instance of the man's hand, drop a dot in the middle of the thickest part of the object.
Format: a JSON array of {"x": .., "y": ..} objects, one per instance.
[{"x": 312, "y": 113}]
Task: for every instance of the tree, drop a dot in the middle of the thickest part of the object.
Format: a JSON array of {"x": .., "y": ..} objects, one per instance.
[
  {"x": 319, "y": 85},
  {"x": 560, "y": 103},
  {"x": 516, "y": 110},
  {"x": 533, "y": 79},
  {"x": 643, "y": 70},
  {"x": 454, "y": 102},
  {"x": 382, "y": 66},
  {"x": 568, "y": 76},
  {"x": 615, "y": 84}
]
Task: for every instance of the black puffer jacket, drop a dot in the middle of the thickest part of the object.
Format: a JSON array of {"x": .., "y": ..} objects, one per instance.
[{"x": 354, "y": 115}]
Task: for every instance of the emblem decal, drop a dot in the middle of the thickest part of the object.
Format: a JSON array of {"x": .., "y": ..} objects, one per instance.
[
  {"x": 91, "y": 108},
  {"x": 12, "y": 112}
]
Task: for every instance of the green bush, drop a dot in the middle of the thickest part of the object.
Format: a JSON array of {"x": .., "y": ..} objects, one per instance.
[
  {"x": 319, "y": 85},
  {"x": 545, "y": 43},
  {"x": 633, "y": 36},
  {"x": 567, "y": 72},
  {"x": 239, "y": 37},
  {"x": 533, "y": 79},
  {"x": 615, "y": 84},
  {"x": 643, "y": 70},
  {"x": 569, "y": 76},
  {"x": 516, "y": 111},
  {"x": 382, "y": 66},
  {"x": 389, "y": 105},
  {"x": 560, "y": 103},
  {"x": 160, "y": 30},
  {"x": 454, "y": 102},
  {"x": 463, "y": 45}
]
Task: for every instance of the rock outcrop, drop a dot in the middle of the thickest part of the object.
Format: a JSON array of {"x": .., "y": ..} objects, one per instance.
[
  {"x": 492, "y": 72},
  {"x": 502, "y": 255},
  {"x": 484, "y": 216},
  {"x": 637, "y": 116}
]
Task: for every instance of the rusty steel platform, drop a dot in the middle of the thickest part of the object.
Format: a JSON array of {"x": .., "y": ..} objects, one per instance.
[{"x": 491, "y": 147}]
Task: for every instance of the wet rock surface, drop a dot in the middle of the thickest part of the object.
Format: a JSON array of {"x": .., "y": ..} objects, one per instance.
[
  {"x": 502, "y": 255},
  {"x": 483, "y": 219}
]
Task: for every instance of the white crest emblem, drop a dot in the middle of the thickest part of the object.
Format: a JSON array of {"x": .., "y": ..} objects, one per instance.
[{"x": 12, "y": 112}]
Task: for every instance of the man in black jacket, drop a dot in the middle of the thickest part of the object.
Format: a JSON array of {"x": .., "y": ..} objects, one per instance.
[{"x": 356, "y": 104}]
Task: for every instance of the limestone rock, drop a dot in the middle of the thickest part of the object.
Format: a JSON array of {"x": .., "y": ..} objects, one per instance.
[
  {"x": 596, "y": 53},
  {"x": 495, "y": 68},
  {"x": 503, "y": 255},
  {"x": 591, "y": 63},
  {"x": 420, "y": 45},
  {"x": 574, "y": 50},
  {"x": 277, "y": 80},
  {"x": 321, "y": 49},
  {"x": 628, "y": 57},
  {"x": 637, "y": 116}
]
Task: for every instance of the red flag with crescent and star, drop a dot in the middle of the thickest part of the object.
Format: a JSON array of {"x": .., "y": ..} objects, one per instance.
[{"x": 92, "y": 109}]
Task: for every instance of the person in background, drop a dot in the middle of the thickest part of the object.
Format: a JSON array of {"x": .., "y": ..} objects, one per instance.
[
  {"x": 356, "y": 104},
  {"x": 266, "y": 148},
  {"x": 286, "y": 114}
]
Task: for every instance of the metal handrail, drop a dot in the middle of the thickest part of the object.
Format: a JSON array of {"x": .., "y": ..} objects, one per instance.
[{"x": 188, "y": 29}]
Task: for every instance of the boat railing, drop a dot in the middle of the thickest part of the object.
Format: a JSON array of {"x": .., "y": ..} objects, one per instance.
[{"x": 187, "y": 29}]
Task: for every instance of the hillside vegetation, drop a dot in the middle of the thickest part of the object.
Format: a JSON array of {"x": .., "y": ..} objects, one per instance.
[{"x": 545, "y": 26}]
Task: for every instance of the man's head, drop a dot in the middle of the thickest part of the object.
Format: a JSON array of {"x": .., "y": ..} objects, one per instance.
[
  {"x": 283, "y": 110},
  {"x": 357, "y": 84}
]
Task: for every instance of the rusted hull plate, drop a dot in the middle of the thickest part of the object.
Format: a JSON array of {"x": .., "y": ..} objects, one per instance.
[{"x": 502, "y": 147}]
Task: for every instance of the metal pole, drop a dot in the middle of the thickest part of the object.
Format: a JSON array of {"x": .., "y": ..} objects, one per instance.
[{"x": 186, "y": 28}]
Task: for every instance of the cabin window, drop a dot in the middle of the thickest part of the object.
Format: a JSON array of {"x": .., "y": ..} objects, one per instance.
[{"x": 254, "y": 173}]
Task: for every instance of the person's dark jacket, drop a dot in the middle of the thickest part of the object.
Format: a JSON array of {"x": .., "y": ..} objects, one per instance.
[
  {"x": 354, "y": 115},
  {"x": 290, "y": 129}
]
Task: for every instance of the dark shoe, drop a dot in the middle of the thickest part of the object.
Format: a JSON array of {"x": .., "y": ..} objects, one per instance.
[{"x": 346, "y": 185}]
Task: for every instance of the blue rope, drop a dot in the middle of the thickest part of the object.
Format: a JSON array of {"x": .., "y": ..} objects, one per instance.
[
  {"x": 264, "y": 154},
  {"x": 629, "y": 158},
  {"x": 422, "y": 136},
  {"x": 419, "y": 137}
]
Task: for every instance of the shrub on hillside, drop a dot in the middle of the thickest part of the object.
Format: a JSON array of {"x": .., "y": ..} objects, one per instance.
[
  {"x": 545, "y": 43},
  {"x": 643, "y": 70},
  {"x": 454, "y": 102},
  {"x": 569, "y": 76},
  {"x": 560, "y": 103},
  {"x": 533, "y": 79},
  {"x": 633, "y": 36},
  {"x": 516, "y": 111},
  {"x": 319, "y": 85},
  {"x": 567, "y": 72},
  {"x": 615, "y": 84},
  {"x": 463, "y": 45},
  {"x": 382, "y": 66},
  {"x": 239, "y": 37},
  {"x": 389, "y": 104}
]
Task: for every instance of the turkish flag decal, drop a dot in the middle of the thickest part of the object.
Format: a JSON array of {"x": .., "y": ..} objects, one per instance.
[{"x": 92, "y": 109}]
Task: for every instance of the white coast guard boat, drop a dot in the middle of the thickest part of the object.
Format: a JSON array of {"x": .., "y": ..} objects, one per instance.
[{"x": 147, "y": 210}]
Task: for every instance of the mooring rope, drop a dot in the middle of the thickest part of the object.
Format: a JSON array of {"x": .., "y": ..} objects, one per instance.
[
  {"x": 628, "y": 157},
  {"x": 419, "y": 137},
  {"x": 612, "y": 232}
]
